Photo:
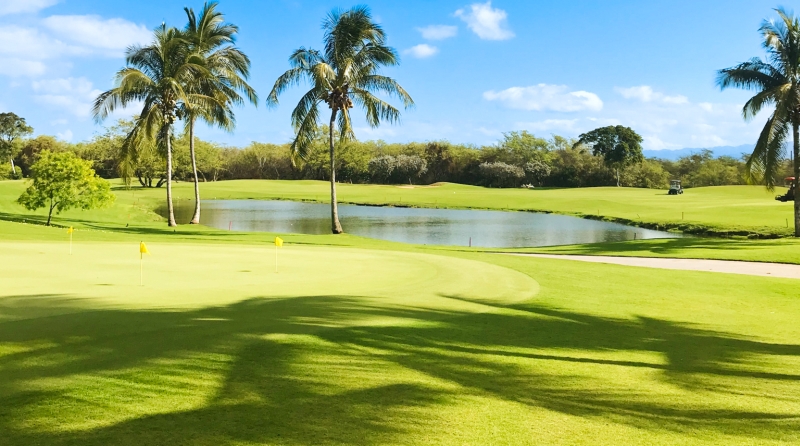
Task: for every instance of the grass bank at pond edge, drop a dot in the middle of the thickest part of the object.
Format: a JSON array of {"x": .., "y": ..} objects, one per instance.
[{"x": 726, "y": 211}]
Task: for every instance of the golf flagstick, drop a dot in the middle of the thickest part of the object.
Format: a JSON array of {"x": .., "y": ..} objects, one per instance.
[
  {"x": 278, "y": 243},
  {"x": 142, "y": 251},
  {"x": 70, "y": 231}
]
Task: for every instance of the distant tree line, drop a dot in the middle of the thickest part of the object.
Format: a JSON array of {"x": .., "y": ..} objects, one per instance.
[{"x": 518, "y": 158}]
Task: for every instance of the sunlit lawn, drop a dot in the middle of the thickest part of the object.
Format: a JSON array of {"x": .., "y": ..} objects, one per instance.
[
  {"x": 358, "y": 341},
  {"x": 363, "y": 346}
]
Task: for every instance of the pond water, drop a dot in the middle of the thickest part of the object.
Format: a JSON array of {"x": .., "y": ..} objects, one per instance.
[{"x": 454, "y": 227}]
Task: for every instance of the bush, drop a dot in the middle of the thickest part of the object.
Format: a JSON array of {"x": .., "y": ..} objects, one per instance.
[
  {"x": 382, "y": 168},
  {"x": 409, "y": 167},
  {"x": 501, "y": 174}
]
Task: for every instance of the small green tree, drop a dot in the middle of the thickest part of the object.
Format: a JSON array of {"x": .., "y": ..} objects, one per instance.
[
  {"x": 63, "y": 181},
  {"x": 619, "y": 146},
  {"x": 12, "y": 127}
]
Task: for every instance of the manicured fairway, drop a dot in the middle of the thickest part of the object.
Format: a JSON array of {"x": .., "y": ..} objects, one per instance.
[
  {"x": 745, "y": 209},
  {"x": 364, "y": 346},
  {"x": 358, "y": 341}
]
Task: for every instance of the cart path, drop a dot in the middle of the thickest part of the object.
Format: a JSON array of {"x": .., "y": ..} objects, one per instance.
[{"x": 717, "y": 266}]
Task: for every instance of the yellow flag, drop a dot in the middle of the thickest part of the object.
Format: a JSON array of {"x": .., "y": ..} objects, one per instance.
[
  {"x": 70, "y": 230},
  {"x": 278, "y": 241},
  {"x": 143, "y": 248}
]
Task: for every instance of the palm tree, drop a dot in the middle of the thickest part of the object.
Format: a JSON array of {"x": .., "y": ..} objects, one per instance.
[
  {"x": 155, "y": 76},
  {"x": 777, "y": 82},
  {"x": 344, "y": 74},
  {"x": 211, "y": 39}
]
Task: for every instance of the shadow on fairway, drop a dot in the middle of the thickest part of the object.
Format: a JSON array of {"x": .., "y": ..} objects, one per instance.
[
  {"x": 321, "y": 369},
  {"x": 665, "y": 247}
]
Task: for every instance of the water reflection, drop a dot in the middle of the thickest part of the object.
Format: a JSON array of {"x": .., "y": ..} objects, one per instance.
[{"x": 420, "y": 226}]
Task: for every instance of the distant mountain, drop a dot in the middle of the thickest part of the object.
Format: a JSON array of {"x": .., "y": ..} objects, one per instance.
[{"x": 734, "y": 151}]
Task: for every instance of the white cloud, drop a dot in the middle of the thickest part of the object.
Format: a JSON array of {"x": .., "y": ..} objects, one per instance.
[
  {"x": 24, "y": 6},
  {"x": 549, "y": 125},
  {"x": 487, "y": 22},
  {"x": 66, "y": 135},
  {"x": 422, "y": 51},
  {"x": 438, "y": 32},
  {"x": 707, "y": 106},
  {"x": 645, "y": 93},
  {"x": 32, "y": 44},
  {"x": 74, "y": 95},
  {"x": 543, "y": 97},
  {"x": 19, "y": 67},
  {"x": 111, "y": 36}
]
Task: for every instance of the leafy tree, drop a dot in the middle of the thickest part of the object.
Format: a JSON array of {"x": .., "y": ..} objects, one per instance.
[
  {"x": 441, "y": 160},
  {"x": 343, "y": 75},
  {"x": 777, "y": 85},
  {"x": 12, "y": 128},
  {"x": 62, "y": 181},
  {"x": 212, "y": 39},
  {"x": 619, "y": 146},
  {"x": 647, "y": 174},
  {"x": 157, "y": 76},
  {"x": 410, "y": 167},
  {"x": 518, "y": 148},
  {"x": 382, "y": 167},
  {"x": 537, "y": 171},
  {"x": 501, "y": 174},
  {"x": 31, "y": 149}
]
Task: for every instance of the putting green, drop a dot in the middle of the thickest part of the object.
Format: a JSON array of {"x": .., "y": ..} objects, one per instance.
[{"x": 187, "y": 276}]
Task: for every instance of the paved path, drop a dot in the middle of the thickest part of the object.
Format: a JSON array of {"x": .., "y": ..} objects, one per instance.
[{"x": 716, "y": 266}]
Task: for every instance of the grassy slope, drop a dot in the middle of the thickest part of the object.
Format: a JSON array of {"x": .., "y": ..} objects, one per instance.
[{"x": 358, "y": 341}]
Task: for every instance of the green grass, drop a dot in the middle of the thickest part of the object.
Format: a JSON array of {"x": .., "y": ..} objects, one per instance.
[
  {"x": 359, "y": 341},
  {"x": 360, "y": 346},
  {"x": 723, "y": 210},
  {"x": 784, "y": 250}
]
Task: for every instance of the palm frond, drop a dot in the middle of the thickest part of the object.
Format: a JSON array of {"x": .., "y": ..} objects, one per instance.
[
  {"x": 763, "y": 165},
  {"x": 377, "y": 110},
  {"x": 291, "y": 77},
  {"x": 305, "y": 134},
  {"x": 387, "y": 85}
]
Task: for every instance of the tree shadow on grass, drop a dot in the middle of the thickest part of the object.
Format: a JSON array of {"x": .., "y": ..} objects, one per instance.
[
  {"x": 330, "y": 369},
  {"x": 668, "y": 247}
]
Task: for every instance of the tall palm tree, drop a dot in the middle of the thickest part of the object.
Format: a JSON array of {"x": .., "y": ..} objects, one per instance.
[
  {"x": 212, "y": 39},
  {"x": 155, "y": 76},
  {"x": 344, "y": 74},
  {"x": 777, "y": 82}
]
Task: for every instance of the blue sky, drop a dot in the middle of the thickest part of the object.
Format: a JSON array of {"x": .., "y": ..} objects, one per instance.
[{"x": 475, "y": 69}]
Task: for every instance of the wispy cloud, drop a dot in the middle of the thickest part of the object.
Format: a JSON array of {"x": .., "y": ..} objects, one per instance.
[
  {"x": 645, "y": 93},
  {"x": 487, "y": 22},
  {"x": 550, "y": 125},
  {"x": 56, "y": 39},
  {"x": 421, "y": 51},
  {"x": 110, "y": 36},
  {"x": 543, "y": 97},
  {"x": 438, "y": 32},
  {"x": 72, "y": 95},
  {"x": 24, "y": 6}
]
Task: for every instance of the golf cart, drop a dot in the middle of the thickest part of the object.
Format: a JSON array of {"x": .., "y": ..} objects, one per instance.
[
  {"x": 675, "y": 187},
  {"x": 789, "y": 196}
]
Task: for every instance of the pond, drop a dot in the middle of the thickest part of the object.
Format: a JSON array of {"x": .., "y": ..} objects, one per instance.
[{"x": 490, "y": 229}]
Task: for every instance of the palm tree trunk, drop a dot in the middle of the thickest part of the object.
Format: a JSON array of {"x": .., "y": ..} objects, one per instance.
[
  {"x": 796, "y": 170},
  {"x": 196, "y": 217},
  {"x": 336, "y": 227},
  {"x": 171, "y": 221}
]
